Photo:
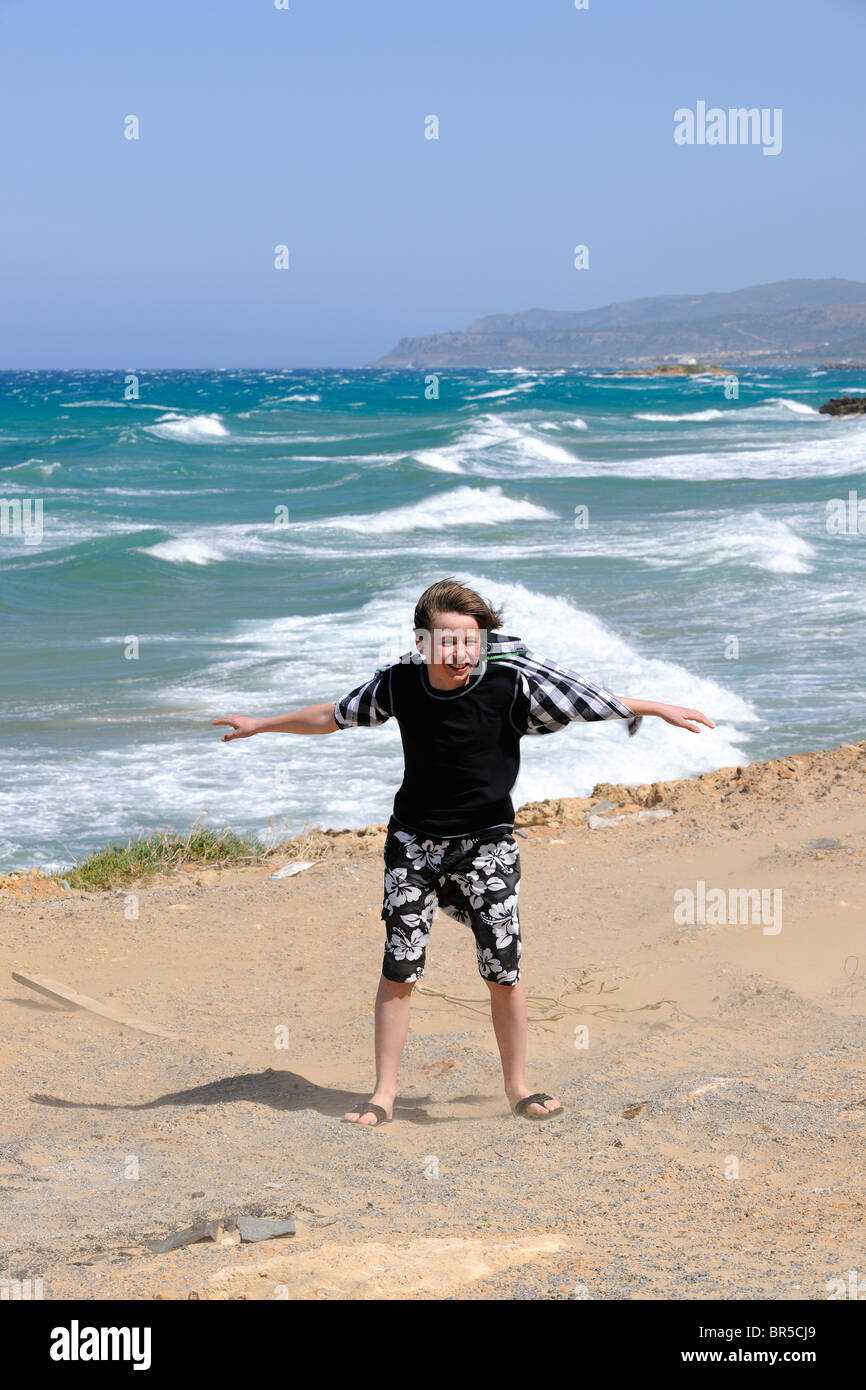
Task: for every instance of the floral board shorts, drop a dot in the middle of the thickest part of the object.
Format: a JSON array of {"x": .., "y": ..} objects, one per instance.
[{"x": 474, "y": 879}]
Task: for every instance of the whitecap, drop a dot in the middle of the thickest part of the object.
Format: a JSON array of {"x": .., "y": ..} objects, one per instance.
[
  {"x": 37, "y": 465},
  {"x": 440, "y": 459},
  {"x": 505, "y": 391},
  {"x": 692, "y": 415},
  {"x": 189, "y": 429},
  {"x": 184, "y": 551},
  {"x": 464, "y": 506}
]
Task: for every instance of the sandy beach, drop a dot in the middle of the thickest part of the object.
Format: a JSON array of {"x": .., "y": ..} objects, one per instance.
[{"x": 712, "y": 1070}]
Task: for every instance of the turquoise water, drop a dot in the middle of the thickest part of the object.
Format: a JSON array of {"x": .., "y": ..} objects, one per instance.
[{"x": 161, "y": 521}]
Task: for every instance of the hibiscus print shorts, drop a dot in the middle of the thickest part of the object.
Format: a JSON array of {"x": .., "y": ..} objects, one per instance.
[{"x": 474, "y": 879}]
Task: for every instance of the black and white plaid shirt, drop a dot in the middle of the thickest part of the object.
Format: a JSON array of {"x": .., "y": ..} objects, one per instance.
[{"x": 555, "y": 695}]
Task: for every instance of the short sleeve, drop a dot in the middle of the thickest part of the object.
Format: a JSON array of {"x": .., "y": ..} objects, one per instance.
[
  {"x": 366, "y": 706},
  {"x": 552, "y": 696}
]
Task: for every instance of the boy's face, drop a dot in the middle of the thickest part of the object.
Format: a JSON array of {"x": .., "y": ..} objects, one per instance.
[{"x": 451, "y": 649}]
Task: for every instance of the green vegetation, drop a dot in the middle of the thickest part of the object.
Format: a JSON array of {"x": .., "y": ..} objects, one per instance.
[{"x": 116, "y": 866}]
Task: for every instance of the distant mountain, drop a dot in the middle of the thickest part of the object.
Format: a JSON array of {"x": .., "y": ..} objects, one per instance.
[{"x": 790, "y": 320}]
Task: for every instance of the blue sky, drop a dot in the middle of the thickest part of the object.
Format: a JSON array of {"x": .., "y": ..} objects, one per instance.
[{"x": 306, "y": 127}]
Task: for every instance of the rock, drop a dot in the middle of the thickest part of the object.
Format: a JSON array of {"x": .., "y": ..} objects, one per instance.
[
  {"x": 30, "y": 885},
  {"x": 610, "y": 791},
  {"x": 226, "y": 1231},
  {"x": 253, "y": 1228},
  {"x": 844, "y": 405},
  {"x": 202, "y": 1230},
  {"x": 826, "y": 843}
]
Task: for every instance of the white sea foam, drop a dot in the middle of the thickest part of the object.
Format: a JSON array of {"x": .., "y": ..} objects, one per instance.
[
  {"x": 371, "y": 460},
  {"x": 825, "y": 455},
  {"x": 543, "y": 449},
  {"x": 300, "y": 438},
  {"x": 441, "y": 459},
  {"x": 499, "y": 446},
  {"x": 704, "y": 540},
  {"x": 777, "y": 408},
  {"x": 505, "y": 391},
  {"x": 119, "y": 405},
  {"x": 761, "y": 543},
  {"x": 816, "y": 452},
  {"x": 229, "y": 541},
  {"x": 35, "y": 466},
  {"x": 693, "y": 415},
  {"x": 798, "y": 407},
  {"x": 189, "y": 429},
  {"x": 464, "y": 506},
  {"x": 184, "y": 551}
]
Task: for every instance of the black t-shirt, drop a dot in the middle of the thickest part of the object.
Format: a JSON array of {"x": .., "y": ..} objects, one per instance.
[{"x": 462, "y": 747}]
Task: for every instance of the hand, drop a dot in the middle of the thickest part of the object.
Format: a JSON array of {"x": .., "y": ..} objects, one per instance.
[
  {"x": 242, "y": 725},
  {"x": 683, "y": 718}
]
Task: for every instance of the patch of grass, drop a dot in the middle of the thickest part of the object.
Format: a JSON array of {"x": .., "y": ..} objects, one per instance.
[{"x": 116, "y": 866}]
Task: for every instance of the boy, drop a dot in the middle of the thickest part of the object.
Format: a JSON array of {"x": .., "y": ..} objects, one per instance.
[{"x": 462, "y": 701}]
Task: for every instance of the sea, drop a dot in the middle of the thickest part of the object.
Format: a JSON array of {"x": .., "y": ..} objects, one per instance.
[{"x": 177, "y": 546}]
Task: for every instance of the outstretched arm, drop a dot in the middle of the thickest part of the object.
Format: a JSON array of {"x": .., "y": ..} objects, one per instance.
[
  {"x": 677, "y": 715},
  {"x": 314, "y": 719}
]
